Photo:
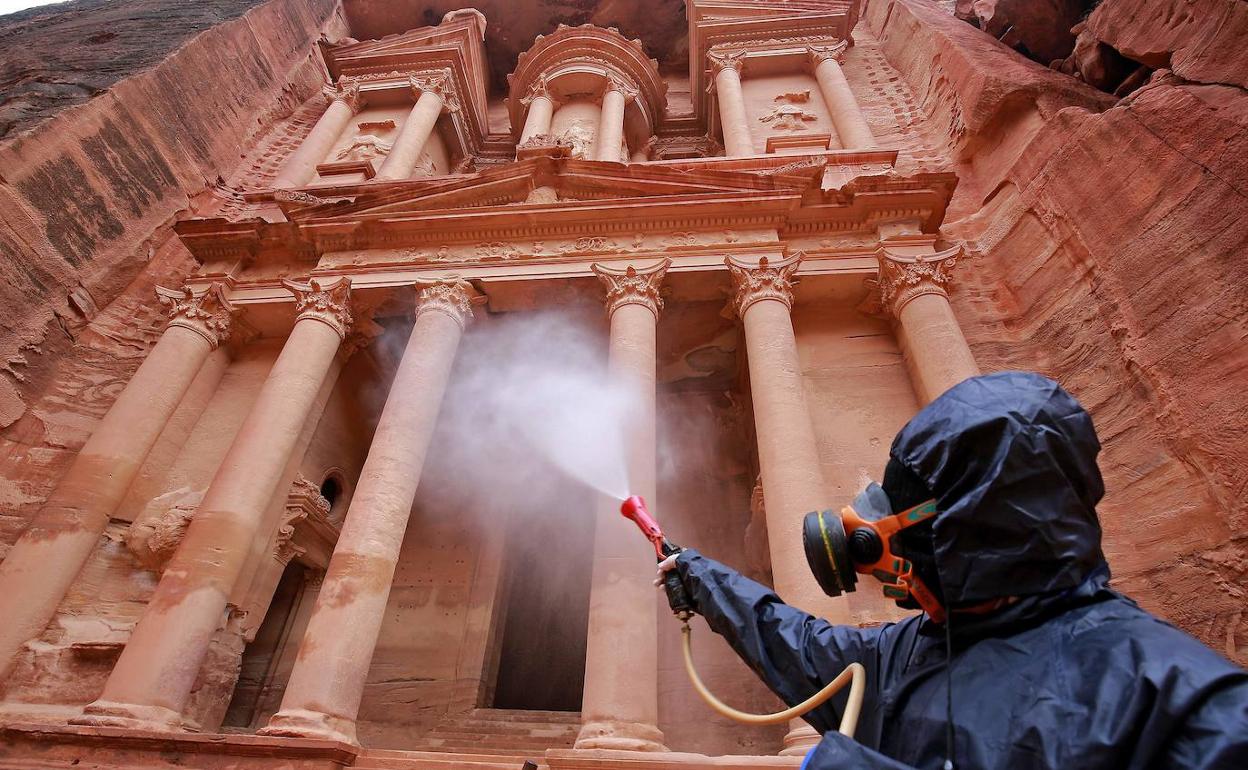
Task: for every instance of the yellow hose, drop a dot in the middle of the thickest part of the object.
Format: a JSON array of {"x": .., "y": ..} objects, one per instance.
[{"x": 854, "y": 674}]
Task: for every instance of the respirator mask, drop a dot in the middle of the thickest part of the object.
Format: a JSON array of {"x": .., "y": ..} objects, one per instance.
[{"x": 884, "y": 534}]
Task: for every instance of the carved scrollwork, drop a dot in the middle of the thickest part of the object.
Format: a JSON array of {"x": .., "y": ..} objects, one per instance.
[
  {"x": 452, "y": 296},
  {"x": 207, "y": 312},
  {"x": 329, "y": 304},
  {"x": 632, "y": 286},
  {"x": 903, "y": 278},
  {"x": 440, "y": 82},
  {"x": 753, "y": 283},
  {"x": 721, "y": 59}
]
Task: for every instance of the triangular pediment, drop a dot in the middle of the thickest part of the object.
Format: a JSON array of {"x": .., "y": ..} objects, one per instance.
[{"x": 545, "y": 182}]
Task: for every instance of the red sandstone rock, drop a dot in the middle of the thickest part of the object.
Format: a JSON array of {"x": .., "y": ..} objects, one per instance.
[{"x": 1039, "y": 29}]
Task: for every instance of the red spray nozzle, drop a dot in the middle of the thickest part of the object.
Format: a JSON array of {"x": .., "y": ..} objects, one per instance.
[{"x": 634, "y": 509}]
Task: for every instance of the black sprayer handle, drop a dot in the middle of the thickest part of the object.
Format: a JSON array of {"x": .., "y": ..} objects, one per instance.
[{"x": 677, "y": 596}]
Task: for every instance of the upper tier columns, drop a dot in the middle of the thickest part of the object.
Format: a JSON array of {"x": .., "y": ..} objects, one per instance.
[
  {"x": 846, "y": 115},
  {"x": 609, "y": 139},
  {"x": 435, "y": 92},
  {"x": 344, "y": 102},
  {"x": 42, "y": 565},
  {"x": 152, "y": 679},
  {"x": 788, "y": 454},
  {"x": 322, "y": 699},
  {"x": 541, "y": 112},
  {"x": 620, "y": 707},
  {"x": 914, "y": 290},
  {"x": 726, "y": 67}
]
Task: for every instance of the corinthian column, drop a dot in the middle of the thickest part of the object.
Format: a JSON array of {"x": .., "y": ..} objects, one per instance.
[
  {"x": 620, "y": 706},
  {"x": 541, "y": 111},
  {"x": 846, "y": 115},
  {"x": 726, "y": 67},
  {"x": 344, "y": 102},
  {"x": 149, "y": 685},
  {"x": 323, "y": 696},
  {"x": 914, "y": 291},
  {"x": 42, "y": 565},
  {"x": 609, "y": 139},
  {"x": 788, "y": 454},
  {"x": 435, "y": 92}
]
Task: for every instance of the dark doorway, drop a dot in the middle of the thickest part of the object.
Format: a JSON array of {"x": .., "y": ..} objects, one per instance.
[
  {"x": 547, "y": 569},
  {"x": 262, "y": 677}
]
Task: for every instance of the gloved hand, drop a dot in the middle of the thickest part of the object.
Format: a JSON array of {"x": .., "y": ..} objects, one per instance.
[{"x": 665, "y": 566}]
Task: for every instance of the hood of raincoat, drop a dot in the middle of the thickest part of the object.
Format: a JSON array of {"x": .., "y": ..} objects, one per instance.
[{"x": 1011, "y": 460}]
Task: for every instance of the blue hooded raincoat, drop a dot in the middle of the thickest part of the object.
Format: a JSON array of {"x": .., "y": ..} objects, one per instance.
[{"x": 1071, "y": 676}]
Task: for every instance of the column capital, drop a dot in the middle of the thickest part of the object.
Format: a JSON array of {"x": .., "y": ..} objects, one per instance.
[
  {"x": 631, "y": 286},
  {"x": 619, "y": 83},
  {"x": 723, "y": 58},
  {"x": 440, "y": 82},
  {"x": 903, "y": 278},
  {"x": 207, "y": 313},
  {"x": 835, "y": 51},
  {"x": 451, "y": 295},
  {"x": 328, "y": 303},
  {"x": 753, "y": 283},
  {"x": 540, "y": 88},
  {"x": 346, "y": 91}
]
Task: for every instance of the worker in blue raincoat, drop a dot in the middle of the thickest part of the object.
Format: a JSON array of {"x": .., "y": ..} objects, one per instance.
[{"x": 1037, "y": 663}]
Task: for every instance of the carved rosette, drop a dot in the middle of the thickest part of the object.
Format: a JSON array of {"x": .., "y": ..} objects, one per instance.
[
  {"x": 818, "y": 54},
  {"x": 753, "y": 283},
  {"x": 452, "y": 296},
  {"x": 440, "y": 82},
  {"x": 903, "y": 278},
  {"x": 631, "y": 286},
  {"x": 207, "y": 313},
  {"x": 722, "y": 59},
  {"x": 329, "y": 304},
  {"x": 347, "y": 92}
]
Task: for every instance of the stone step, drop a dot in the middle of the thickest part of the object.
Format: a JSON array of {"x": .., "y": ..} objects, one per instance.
[
  {"x": 518, "y": 715},
  {"x": 434, "y": 760},
  {"x": 504, "y": 728}
]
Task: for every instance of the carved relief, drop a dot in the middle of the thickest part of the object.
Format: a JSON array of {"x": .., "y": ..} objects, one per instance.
[
  {"x": 788, "y": 117},
  {"x": 832, "y": 52},
  {"x": 424, "y": 167},
  {"x": 753, "y": 283},
  {"x": 157, "y": 533},
  {"x": 632, "y": 286},
  {"x": 904, "y": 278},
  {"x": 207, "y": 312},
  {"x": 364, "y": 147},
  {"x": 497, "y": 250},
  {"x": 329, "y": 304},
  {"x": 721, "y": 59},
  {"x": 440, "y": 82},
  {"x": 347, "y": 92},
  {"x": 579, "y": 135},
  {"x": 452, "y": 296}
]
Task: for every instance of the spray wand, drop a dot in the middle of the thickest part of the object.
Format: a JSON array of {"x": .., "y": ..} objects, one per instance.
[{"x": 634, "y": 509}]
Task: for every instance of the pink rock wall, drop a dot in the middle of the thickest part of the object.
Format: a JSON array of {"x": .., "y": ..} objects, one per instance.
[{"x": 1106, "y": 239}]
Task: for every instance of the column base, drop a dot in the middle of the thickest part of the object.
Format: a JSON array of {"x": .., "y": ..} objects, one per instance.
[
  {"x": 799, "y": 741},
  {"x": 302, "y": 723},
  {"x": 104, "y": 713},
  {"x": 620, "y": 736}
]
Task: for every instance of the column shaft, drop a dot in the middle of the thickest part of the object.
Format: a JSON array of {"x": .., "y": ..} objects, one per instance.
[
  {"x": 537, "y": 122},
  {"x": 610, "y": 134},
  {"x": 416, "y": 130},
  {"x": 934, "y": 346},
  {"x": 42, "y": 565},
  {"x": 733, "y": 118},
  {"x": 620, "y": 705},
  {"x": 300, "y": 168},
  {"x": 322, "y": 699},
  {"x": 152, "y": 679},
  {"x": 788, "y": 453},
  {"x": 843, "y": 107}
]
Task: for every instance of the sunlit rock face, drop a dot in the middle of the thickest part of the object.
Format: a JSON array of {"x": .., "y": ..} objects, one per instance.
[{"x": 437, "y": 278}]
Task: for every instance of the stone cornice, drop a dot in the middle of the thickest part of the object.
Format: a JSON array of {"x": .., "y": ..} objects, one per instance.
[
  {"x": 207, "y": 313},
  {"x": 904, "y": 278},
  {"x": 328, "y": 303},
  {"x": 766, "y": 280},
  {"x": 631, "y": 286},
  {"x": 451, "y": 296}
]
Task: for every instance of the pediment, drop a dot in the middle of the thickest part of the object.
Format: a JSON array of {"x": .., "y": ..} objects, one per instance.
[{"x": 546, "y": 182}]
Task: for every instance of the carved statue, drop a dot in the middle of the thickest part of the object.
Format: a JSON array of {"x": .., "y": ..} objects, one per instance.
[{"x": 364, "y": 147}]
